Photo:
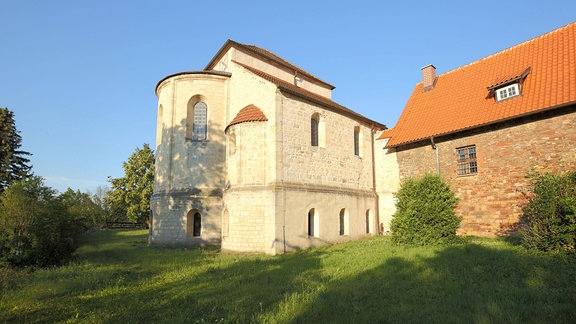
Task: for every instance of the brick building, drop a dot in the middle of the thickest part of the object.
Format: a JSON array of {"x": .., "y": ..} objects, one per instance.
[{"x": 485, "y": 125}]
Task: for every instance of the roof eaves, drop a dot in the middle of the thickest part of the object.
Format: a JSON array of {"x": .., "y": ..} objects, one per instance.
[
  {"x": 310, "y": 96},
  {"x": 415, "y": 140}
]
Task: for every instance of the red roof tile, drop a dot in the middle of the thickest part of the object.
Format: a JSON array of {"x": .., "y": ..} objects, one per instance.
[
  {"x": 249, "y": 113},
  {"x": 460, "y": 99}
]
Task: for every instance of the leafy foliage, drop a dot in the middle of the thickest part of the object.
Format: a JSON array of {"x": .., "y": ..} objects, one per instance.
[
  {"x": 425, "y": 212},
  {"x": 549, "y": 220},
  {"x": 130, "y": 195},
  {"x": 84, "y": 208},
  {"x": 36, "y": 228},
  {"x": 13, "y": 162}
]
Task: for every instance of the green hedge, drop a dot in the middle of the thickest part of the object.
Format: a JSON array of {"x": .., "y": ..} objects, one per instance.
[
  {"x": 549, "y": 220},
  {"x": 425, "y": 212}
]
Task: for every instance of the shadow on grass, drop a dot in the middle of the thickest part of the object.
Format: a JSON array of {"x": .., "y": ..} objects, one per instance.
[
  {"x": 460, "y": 284},
  {"x": 358, "y": 282}
]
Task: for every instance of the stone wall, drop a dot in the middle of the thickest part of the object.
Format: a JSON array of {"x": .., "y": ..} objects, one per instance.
[
  {"x": 491, "y": 201},
  {"x": 387, "y": 182},
  {"x": 190, "y": 174}
]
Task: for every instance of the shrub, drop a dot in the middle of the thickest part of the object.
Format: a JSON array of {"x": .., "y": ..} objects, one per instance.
[
  {"x": 36, "y": 228},
  {"x": 549, "y": 219},
  {"x": 425, "y": 212}
]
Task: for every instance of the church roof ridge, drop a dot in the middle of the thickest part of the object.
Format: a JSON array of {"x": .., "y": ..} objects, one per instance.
[{"x": 267, "y": 55}]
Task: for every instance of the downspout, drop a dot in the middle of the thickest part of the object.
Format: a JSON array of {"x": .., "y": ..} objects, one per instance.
[
  {"x": 377, "y": 205},
  {"x": 437, "y": 155}
]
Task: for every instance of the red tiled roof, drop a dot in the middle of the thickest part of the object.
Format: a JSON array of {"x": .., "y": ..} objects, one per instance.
[
  {"x": 266, "y": 55},
  {"x": 249, "y": 113},
  {"x": 311, "y": 96},
  {"x": 460, "y": 99}
]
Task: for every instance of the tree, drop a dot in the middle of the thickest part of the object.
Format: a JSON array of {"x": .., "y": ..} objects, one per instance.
[
  {"x": 130, "y": 195},
  {"x": 35, "y": 226},
  {"x": 13, "y": 162},
  {"x": 83, "y": 208}
]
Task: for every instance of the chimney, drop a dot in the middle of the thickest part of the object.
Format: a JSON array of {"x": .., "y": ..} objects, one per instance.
[{"x": 428, "y": 77}]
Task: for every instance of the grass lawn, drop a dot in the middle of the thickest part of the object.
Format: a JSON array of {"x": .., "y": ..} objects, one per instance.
[{"x": 116, "y": 278}]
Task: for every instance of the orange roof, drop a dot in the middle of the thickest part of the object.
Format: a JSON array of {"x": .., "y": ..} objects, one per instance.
[
  {"x": 462, "y": 98},
  {"x": 249, "y": 113}
]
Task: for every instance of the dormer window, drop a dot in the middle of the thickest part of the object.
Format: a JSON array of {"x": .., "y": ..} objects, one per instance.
[
  {"x": 508, "y": 91},
  {"x": 508, "y": 86}
]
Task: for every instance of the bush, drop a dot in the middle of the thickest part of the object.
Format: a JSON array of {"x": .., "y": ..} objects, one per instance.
[
  {"x": 425, "y": 212},
  {"x": 36, "y": 228},
  {"x": 549, "y": 219}
]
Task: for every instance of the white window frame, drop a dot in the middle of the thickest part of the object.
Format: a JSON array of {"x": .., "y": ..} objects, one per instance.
[{"x": 507, "y": 92}]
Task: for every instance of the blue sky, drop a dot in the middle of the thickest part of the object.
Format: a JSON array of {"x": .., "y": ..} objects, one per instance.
[{"x": 80, "y": 75}]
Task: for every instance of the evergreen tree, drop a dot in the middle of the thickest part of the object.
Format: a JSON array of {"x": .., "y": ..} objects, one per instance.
[
  {"x": 13, "y": 162},
  {"x": 130, "y": 195}
]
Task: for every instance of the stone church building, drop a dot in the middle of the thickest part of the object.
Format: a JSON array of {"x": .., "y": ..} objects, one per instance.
[{"x": 252, "y": 155}]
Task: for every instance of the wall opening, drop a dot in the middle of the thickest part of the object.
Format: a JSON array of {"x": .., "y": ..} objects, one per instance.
[
  {"x": 344, "y": 222},
  {"x": 313, "y": 223},
  {"x": 369, "y": 222},
  {"x": 193, "y": 223}
]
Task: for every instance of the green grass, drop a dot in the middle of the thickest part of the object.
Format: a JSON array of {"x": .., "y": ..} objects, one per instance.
[{"x": 116, "y": 278}]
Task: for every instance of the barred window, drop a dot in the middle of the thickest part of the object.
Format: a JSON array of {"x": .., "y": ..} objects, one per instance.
[
  {"x": 200, "y": 121},
  {"x": 467, "y": 163}
]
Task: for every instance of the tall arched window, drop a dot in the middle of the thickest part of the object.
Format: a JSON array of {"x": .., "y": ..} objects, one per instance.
[
  {"x": 313, "y": 223},
  {"x": 357, "y": 141},
  {"x": 314, "y": 123},
  {"x": 200, "y": 121},
  {"x": 369, "y": 222},
  {"x": 193, "y": 223},
  {"x": 344, "y": 222}
]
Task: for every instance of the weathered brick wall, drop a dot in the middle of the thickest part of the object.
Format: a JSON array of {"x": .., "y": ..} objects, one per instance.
[{"x": 491, "y": 202}]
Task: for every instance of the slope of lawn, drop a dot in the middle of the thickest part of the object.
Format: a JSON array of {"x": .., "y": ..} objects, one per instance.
[{"x": 116, "y": 278}]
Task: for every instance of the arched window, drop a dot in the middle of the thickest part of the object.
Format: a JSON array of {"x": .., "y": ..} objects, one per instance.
[
  {"x": 196, "y": 120},
  {"x": 313, "y": 223},
  {"x": 357, "y": 141},
  {"x": 369, "y": 222},
  {"x": 344, "y": 222},
  {"x": 193, "y": 223},
  {"x": 314, "y": 124},
  {"x": 200, "y": 121}
]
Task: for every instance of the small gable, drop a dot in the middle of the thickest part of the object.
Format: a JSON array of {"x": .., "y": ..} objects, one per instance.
[{"x": 249, "y": 113}]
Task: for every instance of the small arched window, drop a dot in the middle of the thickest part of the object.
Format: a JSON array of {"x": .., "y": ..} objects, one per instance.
[
  {"x": 369, "y": 222},
  {"x": 344, "y": 222},
  {"x": 357, "y": 141},
  {"x": 313, "y": 223},
  {"x": 314, "y": 124},
  {"x": 193, "y": 223}
]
